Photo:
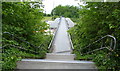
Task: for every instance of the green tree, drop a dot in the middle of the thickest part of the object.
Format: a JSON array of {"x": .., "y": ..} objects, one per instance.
[
  {"x": 24, "y": 21},
  {"x": 66, "y": 11},
  {"x": 96, "y": 20}
]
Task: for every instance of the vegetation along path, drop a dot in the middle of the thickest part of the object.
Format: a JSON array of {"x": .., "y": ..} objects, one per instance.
[{"x": 84, "y": 33}]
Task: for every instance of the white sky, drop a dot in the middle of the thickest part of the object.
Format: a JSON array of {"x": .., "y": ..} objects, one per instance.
[{"x": 50, "y": 4}]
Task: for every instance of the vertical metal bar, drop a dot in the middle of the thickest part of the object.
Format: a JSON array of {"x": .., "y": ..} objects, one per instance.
[{"x": 111, "y": 43}]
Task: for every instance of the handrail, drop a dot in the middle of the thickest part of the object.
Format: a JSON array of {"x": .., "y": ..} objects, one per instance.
[
  {"x": 20, "y": 39},
  {"x": 50, "y": 45},
  {"x": 71, "y": 42},
  {"x": 70, "y": 37},
  {"x": 24, "y": 49},
  {"x": 33, "y": 51},
  {"x": 111, "y": 49}
]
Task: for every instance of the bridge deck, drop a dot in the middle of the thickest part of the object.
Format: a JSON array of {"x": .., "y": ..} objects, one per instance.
[{"x": 62, "y": 41}]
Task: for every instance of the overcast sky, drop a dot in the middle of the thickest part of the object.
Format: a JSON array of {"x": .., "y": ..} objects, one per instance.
[{"x": 50, "y": 4}]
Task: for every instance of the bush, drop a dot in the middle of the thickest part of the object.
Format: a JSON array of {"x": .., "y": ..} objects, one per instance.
[
  {"x": 96, "y": 20},
  {"x": 24, "y": 22}
]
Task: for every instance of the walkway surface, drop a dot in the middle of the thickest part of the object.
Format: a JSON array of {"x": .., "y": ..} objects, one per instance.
[{"x": 62, "y": 41}]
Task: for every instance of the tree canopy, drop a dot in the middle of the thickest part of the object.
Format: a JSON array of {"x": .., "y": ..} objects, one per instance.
[{"x": 66, "y": 11}]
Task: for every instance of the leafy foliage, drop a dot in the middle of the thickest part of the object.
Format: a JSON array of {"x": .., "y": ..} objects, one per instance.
[
  {"x": 96, "y": 20},
  {"x": 23, "y": 20},
  {"x": 66, "y": 11}
]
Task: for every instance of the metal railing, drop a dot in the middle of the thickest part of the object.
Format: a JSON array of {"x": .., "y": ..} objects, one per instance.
[
  {"x": 111, "y": 47},
  {"x": 51, "y": 47},
  {"x": 69, "y": 36},
  {"x": 32, "y": 50}
]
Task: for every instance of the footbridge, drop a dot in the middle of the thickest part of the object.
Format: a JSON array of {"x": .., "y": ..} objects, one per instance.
[{"x": 60, "y": 55}]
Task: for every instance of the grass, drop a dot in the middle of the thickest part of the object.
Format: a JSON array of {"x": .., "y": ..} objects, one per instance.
[{"x": 46, "y": 19}]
